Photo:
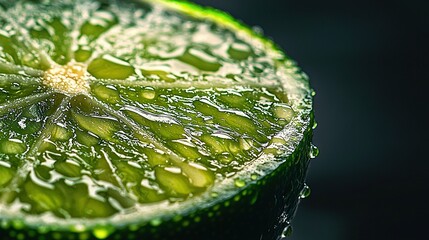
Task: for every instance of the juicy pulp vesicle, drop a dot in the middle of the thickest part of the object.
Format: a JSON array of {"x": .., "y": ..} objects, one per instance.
[{"x": 93, "y": 128}]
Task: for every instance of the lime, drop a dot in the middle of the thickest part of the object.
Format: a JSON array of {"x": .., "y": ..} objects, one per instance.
[{"x": 146, "y": 120}]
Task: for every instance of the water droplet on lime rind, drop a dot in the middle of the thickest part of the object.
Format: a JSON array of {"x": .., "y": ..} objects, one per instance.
[
  {"x": 305, "y": 192},
  {"x": 314, "y": 151},
  {"x": 287, "y": 232}
]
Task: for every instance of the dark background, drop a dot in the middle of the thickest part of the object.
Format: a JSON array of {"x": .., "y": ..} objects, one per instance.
[{"x": 368, "y": 62}]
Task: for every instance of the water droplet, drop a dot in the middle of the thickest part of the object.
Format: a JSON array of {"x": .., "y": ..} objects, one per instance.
[
  {"x": 314, "y": 151},
  {"x": 305, "y": 192},
  {"x": 313, "y": 93},
  {"x": 225, "y": 157},
  {"x": 148, "y": 93},
  {"x": 239, "y": 183},
  {"x": 314, "y": 125},
  {"x": 283, "y": 111},
  {"x": 15, "y": 86},
  {"x": 287, "y": 232},
  {"x": 254, "y": 176},
  {"x": 258, "y": 30}
]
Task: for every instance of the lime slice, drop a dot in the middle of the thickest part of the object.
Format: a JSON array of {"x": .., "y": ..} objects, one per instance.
[{"x": 146, "y": 120}]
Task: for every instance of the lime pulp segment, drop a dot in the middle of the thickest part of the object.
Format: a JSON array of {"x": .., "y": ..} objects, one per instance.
[{"x": 93, "y": 128}]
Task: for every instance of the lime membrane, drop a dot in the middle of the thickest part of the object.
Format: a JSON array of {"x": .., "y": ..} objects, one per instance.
[{"x": 143, "y": 117}]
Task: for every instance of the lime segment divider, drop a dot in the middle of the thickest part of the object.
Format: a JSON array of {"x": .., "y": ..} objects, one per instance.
[
  {"x": 111, "y": 31},
  {"x": 15, "y": 78},
  {"x": 81, "y": 12},
  {"x": 47, "y": 129},
  {"x": 46, "y": 60},
  {"x": 22, "y": 70},
  {"x": 98, "y": 42},
  {"x": 22, "y": 102},
  {"x": 28, "y": 165},
  {"x": 115, "y": 175},
  {"x": 142, "y": 134}
]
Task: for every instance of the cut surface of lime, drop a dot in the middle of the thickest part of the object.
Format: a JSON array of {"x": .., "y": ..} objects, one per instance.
[{"x": 144, "y": 117}]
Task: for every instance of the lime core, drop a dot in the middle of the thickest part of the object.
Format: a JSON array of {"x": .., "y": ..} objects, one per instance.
[{"x": 69, "y": 79}]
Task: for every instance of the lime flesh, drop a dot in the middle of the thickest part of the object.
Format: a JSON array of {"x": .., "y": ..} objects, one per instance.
[{"x": 115, "y": 114}]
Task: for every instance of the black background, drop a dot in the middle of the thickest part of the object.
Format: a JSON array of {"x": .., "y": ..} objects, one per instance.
[{"x": 368, "y": 62}]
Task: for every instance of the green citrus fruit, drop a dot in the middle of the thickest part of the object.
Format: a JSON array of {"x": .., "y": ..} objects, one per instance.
[{"x": 146, "y": 120}]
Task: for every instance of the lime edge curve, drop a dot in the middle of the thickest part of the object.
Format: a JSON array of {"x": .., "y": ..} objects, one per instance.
[{"x": 299, "y": 93}]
